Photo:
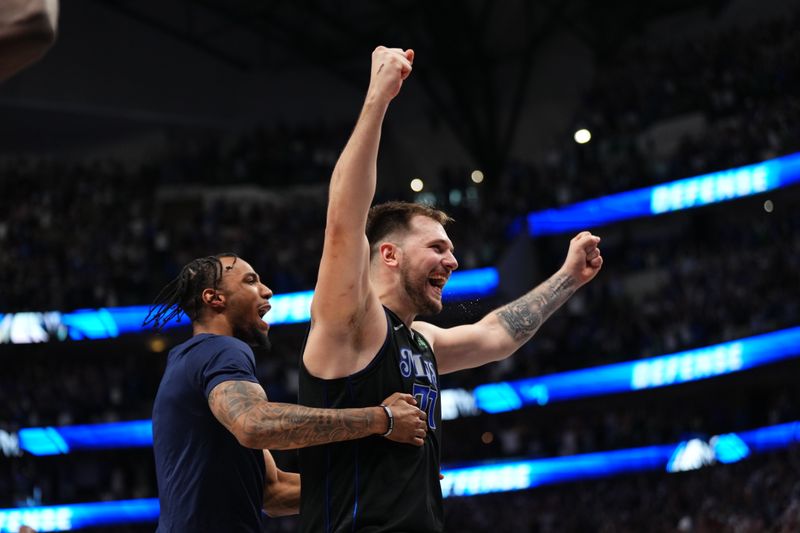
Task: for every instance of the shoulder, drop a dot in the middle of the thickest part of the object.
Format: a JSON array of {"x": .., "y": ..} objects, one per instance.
[
  {"x": 427, "y": 331},
  {"x": 213, "y": 344}
]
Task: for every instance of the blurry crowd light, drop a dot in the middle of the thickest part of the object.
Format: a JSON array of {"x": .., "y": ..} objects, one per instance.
[
  {"x": 476, "y": 176},
  {"x": 417, "y": 185},
  {"x": 583, "y": 136}
]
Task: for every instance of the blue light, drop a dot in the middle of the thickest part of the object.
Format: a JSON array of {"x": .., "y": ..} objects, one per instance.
[
  {"x": 497, "y": 398},
  {"x": 467, "y": 480},
  {"x": 471, "y": 284},
  {"x": 660, "y": 371},
  {"x": 79, "y": 515},
  {"x": 62, "y": 440},
  {"x": 729, "y": 448},
  {"x": 105, "y": 323},
  {"x": 772, "y": 437},
  {"x": 503, "y": 476},
  {"x": 42, "y": 441},
  {"x": 518, "y": 475},
  {"x": 674, "y": 196}
]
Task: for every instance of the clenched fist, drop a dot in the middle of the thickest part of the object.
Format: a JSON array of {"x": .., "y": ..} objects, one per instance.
[
  {"x": 583, "y": 260},
  {"x": 390, "y": 67}
]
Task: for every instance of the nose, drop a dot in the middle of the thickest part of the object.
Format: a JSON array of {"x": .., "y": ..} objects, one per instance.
[
  {"x": 266, "y": 292},
  {"x": 450, "y": 261}
]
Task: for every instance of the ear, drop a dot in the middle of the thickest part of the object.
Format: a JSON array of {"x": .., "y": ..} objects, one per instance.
[
  {"x": 213, "y": 299},
  {"x": 390, "y": 254}
]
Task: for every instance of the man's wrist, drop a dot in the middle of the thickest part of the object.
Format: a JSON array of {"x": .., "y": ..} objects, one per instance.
[{"x": 389, "y": 420}]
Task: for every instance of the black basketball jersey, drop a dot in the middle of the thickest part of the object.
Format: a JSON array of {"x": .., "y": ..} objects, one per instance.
[{"x": 373, "y": 484}]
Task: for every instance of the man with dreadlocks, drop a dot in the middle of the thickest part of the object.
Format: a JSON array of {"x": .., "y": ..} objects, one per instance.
[{"x": 212, "y": 421}]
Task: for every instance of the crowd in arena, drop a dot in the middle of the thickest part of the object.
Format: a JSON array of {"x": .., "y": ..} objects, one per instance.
[{"x": 687, "y": 280}]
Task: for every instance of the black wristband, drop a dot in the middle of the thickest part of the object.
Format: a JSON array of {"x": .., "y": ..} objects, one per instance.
[{"x": 391, "y": 420}]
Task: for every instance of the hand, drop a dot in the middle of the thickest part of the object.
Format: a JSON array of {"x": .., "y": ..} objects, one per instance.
[
  {"x": 390, "y": 67},
  {"x": 583, "y": 257},
  {"x": 410, "y": 424}
]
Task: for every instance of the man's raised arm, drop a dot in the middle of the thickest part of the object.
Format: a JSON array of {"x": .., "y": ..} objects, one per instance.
[
  {"x": 501, "y": 332},
  {"x": 344, "y": 306}
]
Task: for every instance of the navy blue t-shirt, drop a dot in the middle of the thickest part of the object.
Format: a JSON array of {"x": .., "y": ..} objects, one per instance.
[{"x": 207, "y": 481}]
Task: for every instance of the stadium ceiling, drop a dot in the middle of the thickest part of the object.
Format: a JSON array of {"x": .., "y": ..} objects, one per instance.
[{"x": 479, "y": 53}]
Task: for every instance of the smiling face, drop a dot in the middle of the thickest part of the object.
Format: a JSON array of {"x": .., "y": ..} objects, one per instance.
[
  {"x": 246, "y": 301},
  {"x": 426, "y": 264}
]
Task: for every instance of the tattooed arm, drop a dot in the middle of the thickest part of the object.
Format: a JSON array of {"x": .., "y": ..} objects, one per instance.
[
  {"x": 504, "y": 330},
  {"x": 243, "y": 408}
]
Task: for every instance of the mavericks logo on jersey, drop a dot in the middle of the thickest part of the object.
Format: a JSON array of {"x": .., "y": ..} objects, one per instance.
[{"x": 412, "y": 364}]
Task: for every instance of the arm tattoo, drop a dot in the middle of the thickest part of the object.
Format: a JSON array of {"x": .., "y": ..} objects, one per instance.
[
  {"x": 242, "y": 407},
  {"x": 522, "y": 317}
]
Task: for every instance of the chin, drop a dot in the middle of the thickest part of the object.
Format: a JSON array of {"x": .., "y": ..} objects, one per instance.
[
  {"x": 255, "y": 338},
  {"x": 261, "y": 340}
]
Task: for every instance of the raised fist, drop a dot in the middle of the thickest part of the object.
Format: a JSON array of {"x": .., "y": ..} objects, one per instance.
[{"x": 390, "y": 67}]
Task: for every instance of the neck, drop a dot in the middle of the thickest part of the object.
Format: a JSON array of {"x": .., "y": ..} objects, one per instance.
[
  {"x": 217, "y": 326},
  {"x": 394, "y": 298}
]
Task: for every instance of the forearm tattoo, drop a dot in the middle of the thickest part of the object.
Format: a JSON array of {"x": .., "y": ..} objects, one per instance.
[
  {"x": 522, "y": 317},
  {"x": 242, "y": 407}
]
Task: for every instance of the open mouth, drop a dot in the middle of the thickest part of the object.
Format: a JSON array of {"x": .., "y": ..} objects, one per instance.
[
  {"x": 263, "y": 310},
  {"x": 438, "y": 281}
]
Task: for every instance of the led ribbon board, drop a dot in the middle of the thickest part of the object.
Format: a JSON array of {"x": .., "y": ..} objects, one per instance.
[
  {"x": 468, "y": 480},
  {"x": 65, "y": 439},
  {"x": 79, "y": 515},
  {"x": 503, "y": 476},
  {"x": 111, "y": 322},
  {"x": 660, "y": 371},
  {"x": 678, "y": 195}
]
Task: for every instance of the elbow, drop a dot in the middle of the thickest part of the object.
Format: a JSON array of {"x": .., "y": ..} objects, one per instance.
[{"x": 255, "y": 437}]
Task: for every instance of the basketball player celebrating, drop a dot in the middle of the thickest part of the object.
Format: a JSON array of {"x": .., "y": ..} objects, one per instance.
[
  {"x": 380, "y": 268},
  {"x": 211, "y": 417}
]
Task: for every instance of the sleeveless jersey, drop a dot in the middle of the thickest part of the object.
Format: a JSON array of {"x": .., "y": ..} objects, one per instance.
[{"x": 373, "y": 484}]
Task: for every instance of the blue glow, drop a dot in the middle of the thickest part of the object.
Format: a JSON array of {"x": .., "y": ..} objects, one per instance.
[
  {"x": 62, "y": 440},
  {"x": 471, "y": 284},
  {"x": 467, "y": 480},
  {"x": 79, "y": 515},
  {"x": 674, "y": 196},
  {"x": 519, "y": 475},
  {"x": 106, "y": 323},
  {"x": 497, "y": 397},
  {"x": 42, "y": 441},
  {"x": 772, "y": 437},
  {"x": 660, "y": 371},
  {"x": 502, "y": 476},
  {"x": 729, "y": 448}
]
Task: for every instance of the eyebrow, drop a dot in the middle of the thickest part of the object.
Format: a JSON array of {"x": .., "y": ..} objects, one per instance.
[{"x": 445, "y": 242}]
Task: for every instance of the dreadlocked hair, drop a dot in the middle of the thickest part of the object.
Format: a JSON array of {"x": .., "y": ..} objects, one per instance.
[{"x": 183, "y": 295}]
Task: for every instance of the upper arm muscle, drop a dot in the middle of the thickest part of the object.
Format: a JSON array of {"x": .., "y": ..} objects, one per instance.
[{"x": 231, "y": 401}]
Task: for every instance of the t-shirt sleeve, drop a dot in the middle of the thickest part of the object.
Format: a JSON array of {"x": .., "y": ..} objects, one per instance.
[{"x": 229, "y": 362}]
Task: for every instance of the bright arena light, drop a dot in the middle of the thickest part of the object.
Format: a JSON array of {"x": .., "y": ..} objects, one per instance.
[
  {"x": 583, "y": 136},
  {"x": 476, "y": 176},
  {"x": 769, "y": 206},
  {"x": 417, "y": 185}
]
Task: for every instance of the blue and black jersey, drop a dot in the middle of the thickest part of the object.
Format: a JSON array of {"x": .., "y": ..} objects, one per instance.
[{"x": 373, "y": 484}]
